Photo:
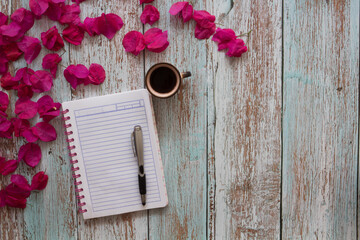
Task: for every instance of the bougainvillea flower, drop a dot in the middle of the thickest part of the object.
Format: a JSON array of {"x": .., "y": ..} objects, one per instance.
[
  {"x": 109, "y": 24},
  {"x": 20, "y": 126},
  {"x": 91, "y": 26},
  {"x": 7, "y": 81},
  {"x": 19, "y": 187},
  {"x": 150, "y": 15},
  {"x": 31, "y": 47},
  {"x": 24, "y": 90},
  {"x": 15, "y": 202},
  {"x": 76, "y": 74},
  {"x": 50, "y": 62},
  {"x": 24, "y": 18},
  {"x": 25, "y": 108},
  {"x": 6, "y": 128},
  {"x": 41, "y": 81},
  {"x": 73, "y": 34},
  {"x": 52, "y": 40},
  {"x": 156, "y": 40},
  {"x": 3, "y": 19},
  {"x": 3, "y": 64},
  {"x": 39, "y": 181},
  {"x": 204, "y": 33},
  {"x": 30, "y": 153},
  {"x": 146, "y": 1},
  {"x": 21, "y": 182},
  {"x": 54, "y": 11},
  {"x": 47, "y": 108},
  {"x": 223, "y": 37},
  {"x": 12, "y": 51},
  {"x": 204, "y": 19},
  {"x": 2, "y": 198},
  {"x": 38, "y": 7},
  {"x": 44, "y": 131},
  {"x": 29, "y": 135},
  {"x": 70, "y": 14},
  {"x": 236, "y": 48},
  {"x": 184, "y": 9},
  {"x": 96, "y": 74},
  {"x": 23, "y": 75},
  {"x": 11, "y": 31},
  {"x": 7, "y": 167},
  {"x": 4, "y": 101},
  {"x": 133, "y": 42}
]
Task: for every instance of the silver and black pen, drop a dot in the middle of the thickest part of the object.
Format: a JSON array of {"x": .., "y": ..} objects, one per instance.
[{"x": 139, "y": 153}]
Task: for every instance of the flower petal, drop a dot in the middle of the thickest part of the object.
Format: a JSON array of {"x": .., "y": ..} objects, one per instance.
[
  {"x": 6, "y": 128},
  {"x": 133, "y": 42},
  {"x": 109, "y": 24},
  {"x": 20, "y": 181},
  {"x": 24, "y": 18},
  {"x": 187, "y": 13},
  {"x": 8, "y": 167},
  {"x": 23, "y": 75},
  {"x": 204, "y": 33},
  {"x": 150, "y": 15},
  {"x": 177, "y": 7},
  {"x": 51, "y": 61},
  {"x": 223, "y": 37},
  {"x": 52, "y": 40},
  {"x": 29, "y": 135},
  {"x": 20, "y": 126},
  {"x": 70, "y": 14},
  {"x": 12, "y": 51},
  {"x": 146, "y": 1},
  {"x": 204, "y": 19},
  {"x": 91, "y": 26},
  {"x": 236, "y": 48},
  {"x": 12, "y": 30},
  {"x": 31, "y": 47},
  {"x": 2, "y": 198},
  {"x": 76, "y": 74},
  {"x": 73, "y": 34},
  {"x": 25, "y": 108},
  {"x": 4, "y": 101},
  {"x": 156, "y": 40},
  {"x": 96, "y": 74},
  {"x": 38, "y": 7},
  {"x": 39, "y": 181},
  {"x": 47, "y": 109},
  {"x": 41, "y": 81},
  {"x": 7, "y": 81},
  {"x": 3, "y": 19},
  {"x": 54, "y": 11},
  {"x": 15, "y": 202},
  {"x": 44, "y": 131},
  {"x": 30, "y": 153}
]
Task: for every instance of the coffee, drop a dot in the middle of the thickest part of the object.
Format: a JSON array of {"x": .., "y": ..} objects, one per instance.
[{"x": 163, "y": 80}]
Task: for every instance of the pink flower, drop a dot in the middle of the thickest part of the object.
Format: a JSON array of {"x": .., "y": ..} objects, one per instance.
[
  {"x": 41, "y": 81},
  {"x": 7, "y": 81},
  {"x": 24, "y": 18},
  {"x": 204, "y": 33},
  {"x": 91, "y": 26},
  {"x": 25, "y": 108},
  {"x": 133, "y": 42},
  {"x": 96, "y": 74},
  {"x": 150, "y": 15},
  {"x": 3, "y": 64},
  {"x": 24, "y": 90},
  {"x": 19, "y": 186},
  {"x": 6, "y": 128},
  {"x": 223, "y": 37},
  {"x": 39, "y": 181},
  {"x": 44, "y": 131},
  {"x": 70, "y": 14},
  {"x": 76, "y": 74},
  {"x": 29, "y": 135},
  {"x": 23, "y": 75},
  {"x": 146, "y": 1},
  {"x": 50, "y": 62},
  {"x": 3, "y": 19},
  {"x": 236, "y": 48},
  {"x": 156, "y": 40},
  {"x": 31, "y": 47},
  {"x": 109, "y": 24},
  {"x": 38, "y": 7},
  {"x": 4, "y": 102},
  {"x": 205, "y": 26},
  {"x": 54, "y": 11},
  {"x": 184, "y": 9},
  {"x": 47, "y": 109},
  {"x": 73, "y": 34},
  {"x": 2, "y": 198},
  {"x": 15, "y": 202},
  {"x": 20, "y": 126},
  {"x": 52, "y": 40},
  {"x": 30, "y": 153},
  {"x": 7, "y": 167},
  {"x": 12, "y": 51},
  {"x": 11, "y": 32}
]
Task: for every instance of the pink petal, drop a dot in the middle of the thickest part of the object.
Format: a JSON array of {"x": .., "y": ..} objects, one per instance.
[
  {"x": 70, "y": 14},
  {"x": 57, "y": 1},
  {"x": 73, "y": 34},
  {"x": 4, "y": 101},
  {"x": 47, "y": 109},
  {"x": 8, "y": 167},
  {"x": 187, "y": 13},
  {"x": 12, "y": 51},
  {"x": 23, "y": 75},
  {"x": 6, "y": 128},
  {"x": 52, "y": 40},
  {"x": 30, "y": 153},
  {"x": 45, "y": 131},
  {"x": 31, "y": 47},
  {"x": 20, "y": 126},
  {"x": 223, "y": 37},
  {"x": 91, "y": 26},
  {"x": 204, "y": 33},
  {"x": 29, "y": 135},
  {"x": 20, "y": 181},
  {"x": 3, "y": 64},
  {"x": 133, "y": 42},
  {"x": 150, "y": 15},
  {"x": 184, "y": 9},
  {"x": 177, "y": 7},
  {"x": 39, "y": 181},
  {"x": 146, "y": 1},
  {"x": 41, "y": 81},
  {"x": 76, "y": 74},
  {"x": 13, "y": 30},
  {"x": 38, "y": 7},
  {"x": 3, "y": 19},
  {"x": 78, "y": 1},
  {"x": 25, "y": 108},
  {"x": 51, "y": 61},
  {"x": 2, "y": 198},
  {"x": 24, "y": 90},
  {"x": 7, "y": 81},
  {"x": 204, "y": 19},
  {"x": 109, "y": 24},
  {"x": 19, "y": 187},
  {"x": 24, "y": 18},
  {"x": 156, "y": 40},
  {"x": 54, "y": 11},
  {"x": 15, "y": 202},
  {"x": 236, "y": 48},
  {"x": 96, "y": 74}
]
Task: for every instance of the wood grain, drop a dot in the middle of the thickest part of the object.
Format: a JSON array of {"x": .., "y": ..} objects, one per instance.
[
  {"x": 123, "y": 73},
  {"x": 182, "y": 128},
  {"x": 247, "y": 131},
  {"x": 320, "y": 121}
]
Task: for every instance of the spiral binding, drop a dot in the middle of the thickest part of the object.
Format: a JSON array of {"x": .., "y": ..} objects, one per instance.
[{"x": 74, "y": 168}]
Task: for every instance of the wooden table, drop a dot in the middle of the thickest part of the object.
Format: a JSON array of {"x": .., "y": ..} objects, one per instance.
[{"x": 259, "y": 147}]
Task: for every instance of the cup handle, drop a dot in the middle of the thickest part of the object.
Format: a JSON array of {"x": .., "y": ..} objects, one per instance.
[{"x": 185, "y": 74}]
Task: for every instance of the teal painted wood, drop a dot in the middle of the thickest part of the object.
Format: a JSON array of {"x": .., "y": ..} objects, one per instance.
[
  {"x": 124, "y": 72},
  {"x": 320, "y": 119},
  {"x": 182, "y": 128}
]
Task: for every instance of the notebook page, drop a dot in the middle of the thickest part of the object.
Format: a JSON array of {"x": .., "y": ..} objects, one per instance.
[{"x": 102, "y": 128}]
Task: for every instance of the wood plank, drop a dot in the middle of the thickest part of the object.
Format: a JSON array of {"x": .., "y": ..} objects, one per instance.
[
  {"x": 320, "y": 119},
  {"x": 124, "y": 72},
  {"x": 181, "y": 122},
  {"x": 247, "y": 124}
]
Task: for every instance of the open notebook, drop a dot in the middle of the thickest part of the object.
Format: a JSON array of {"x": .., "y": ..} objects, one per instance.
[{"x": 105, "y": 168}]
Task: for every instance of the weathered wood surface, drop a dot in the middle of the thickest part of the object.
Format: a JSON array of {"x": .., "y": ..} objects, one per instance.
[
  {"x": 222, "y": 139},
  {"x": 320, "y": 119}
]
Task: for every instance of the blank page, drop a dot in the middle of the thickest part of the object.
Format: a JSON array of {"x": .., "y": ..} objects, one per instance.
[{"x": 102, "y": 128}]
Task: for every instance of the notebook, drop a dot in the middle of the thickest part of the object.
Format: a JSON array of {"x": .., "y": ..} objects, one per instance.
[{"x": 105, "y": 168}]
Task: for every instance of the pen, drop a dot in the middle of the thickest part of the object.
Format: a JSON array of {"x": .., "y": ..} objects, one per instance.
[{"x": 139, "y": 153}]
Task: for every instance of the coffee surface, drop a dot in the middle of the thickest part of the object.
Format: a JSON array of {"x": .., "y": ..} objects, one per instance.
[{"x": 163, "y": 80}]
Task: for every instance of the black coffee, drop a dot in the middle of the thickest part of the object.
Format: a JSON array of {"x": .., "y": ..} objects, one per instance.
[{"x": 163, "y": 80}]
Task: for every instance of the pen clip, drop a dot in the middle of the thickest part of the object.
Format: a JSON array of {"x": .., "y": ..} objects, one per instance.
[{"x": 133, "y": 143}]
